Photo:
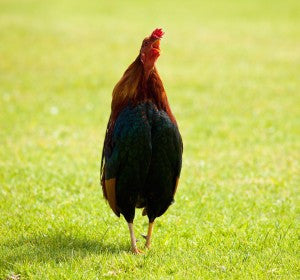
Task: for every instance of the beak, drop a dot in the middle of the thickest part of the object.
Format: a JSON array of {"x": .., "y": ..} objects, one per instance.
[{"x": 156, "y": 45}]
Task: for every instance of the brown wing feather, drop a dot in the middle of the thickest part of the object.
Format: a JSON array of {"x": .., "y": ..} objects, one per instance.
[
  {"x": 110, "y": 191},
  {"x": 176, "y": 185}
]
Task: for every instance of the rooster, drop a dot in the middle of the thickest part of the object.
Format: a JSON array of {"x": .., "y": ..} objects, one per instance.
[{"x": 142, "y": 151}]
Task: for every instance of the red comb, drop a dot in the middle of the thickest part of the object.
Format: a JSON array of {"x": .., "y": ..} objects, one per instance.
[{"x": 157, "y": 33}]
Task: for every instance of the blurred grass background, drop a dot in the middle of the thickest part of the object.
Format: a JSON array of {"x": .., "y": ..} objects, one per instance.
[{"x": 231, "y": 71}]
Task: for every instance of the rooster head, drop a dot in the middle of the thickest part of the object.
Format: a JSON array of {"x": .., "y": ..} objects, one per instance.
[{"x": 150, "y": 49}]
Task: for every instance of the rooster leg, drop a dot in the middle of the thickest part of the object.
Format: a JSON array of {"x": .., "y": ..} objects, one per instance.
[
  {"x": 148, "y": 237},
  {"x": 134, "y": 248}
]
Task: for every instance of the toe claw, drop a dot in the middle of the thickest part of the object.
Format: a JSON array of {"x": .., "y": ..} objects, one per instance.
[{"x": 145, "y": 236}]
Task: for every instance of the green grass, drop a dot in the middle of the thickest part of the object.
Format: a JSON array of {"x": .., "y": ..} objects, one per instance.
[{"x": 231, "y": 70}]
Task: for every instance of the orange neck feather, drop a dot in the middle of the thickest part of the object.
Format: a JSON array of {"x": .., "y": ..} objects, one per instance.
[{"x": 134, "y": 88}]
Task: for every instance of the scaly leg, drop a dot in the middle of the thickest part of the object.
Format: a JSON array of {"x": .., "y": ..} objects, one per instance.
[
  {"x": 134, "y": 248},
  {"x": 148, "y": 237}
]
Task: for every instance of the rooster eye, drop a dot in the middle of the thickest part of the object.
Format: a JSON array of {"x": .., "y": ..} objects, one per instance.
[{"x": 146, "y": 44}]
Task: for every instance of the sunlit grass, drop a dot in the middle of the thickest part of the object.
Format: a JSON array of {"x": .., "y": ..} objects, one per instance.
[{"x": 231, "y": 70}]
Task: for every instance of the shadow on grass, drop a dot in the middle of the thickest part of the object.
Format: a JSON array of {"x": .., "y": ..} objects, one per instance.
[{"x": 57, "y": 248}]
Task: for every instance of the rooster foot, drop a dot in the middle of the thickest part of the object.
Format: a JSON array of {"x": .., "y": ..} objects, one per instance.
[{"x": 136, "y": 251}]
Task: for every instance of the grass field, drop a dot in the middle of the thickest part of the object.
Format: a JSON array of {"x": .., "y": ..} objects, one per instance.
[{"x": 231, "y": 70}]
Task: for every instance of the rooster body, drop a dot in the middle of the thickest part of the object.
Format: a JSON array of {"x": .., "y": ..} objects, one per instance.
[
  {"x": 146, "y": 159},
  {"x": 142, "y": 153}
]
